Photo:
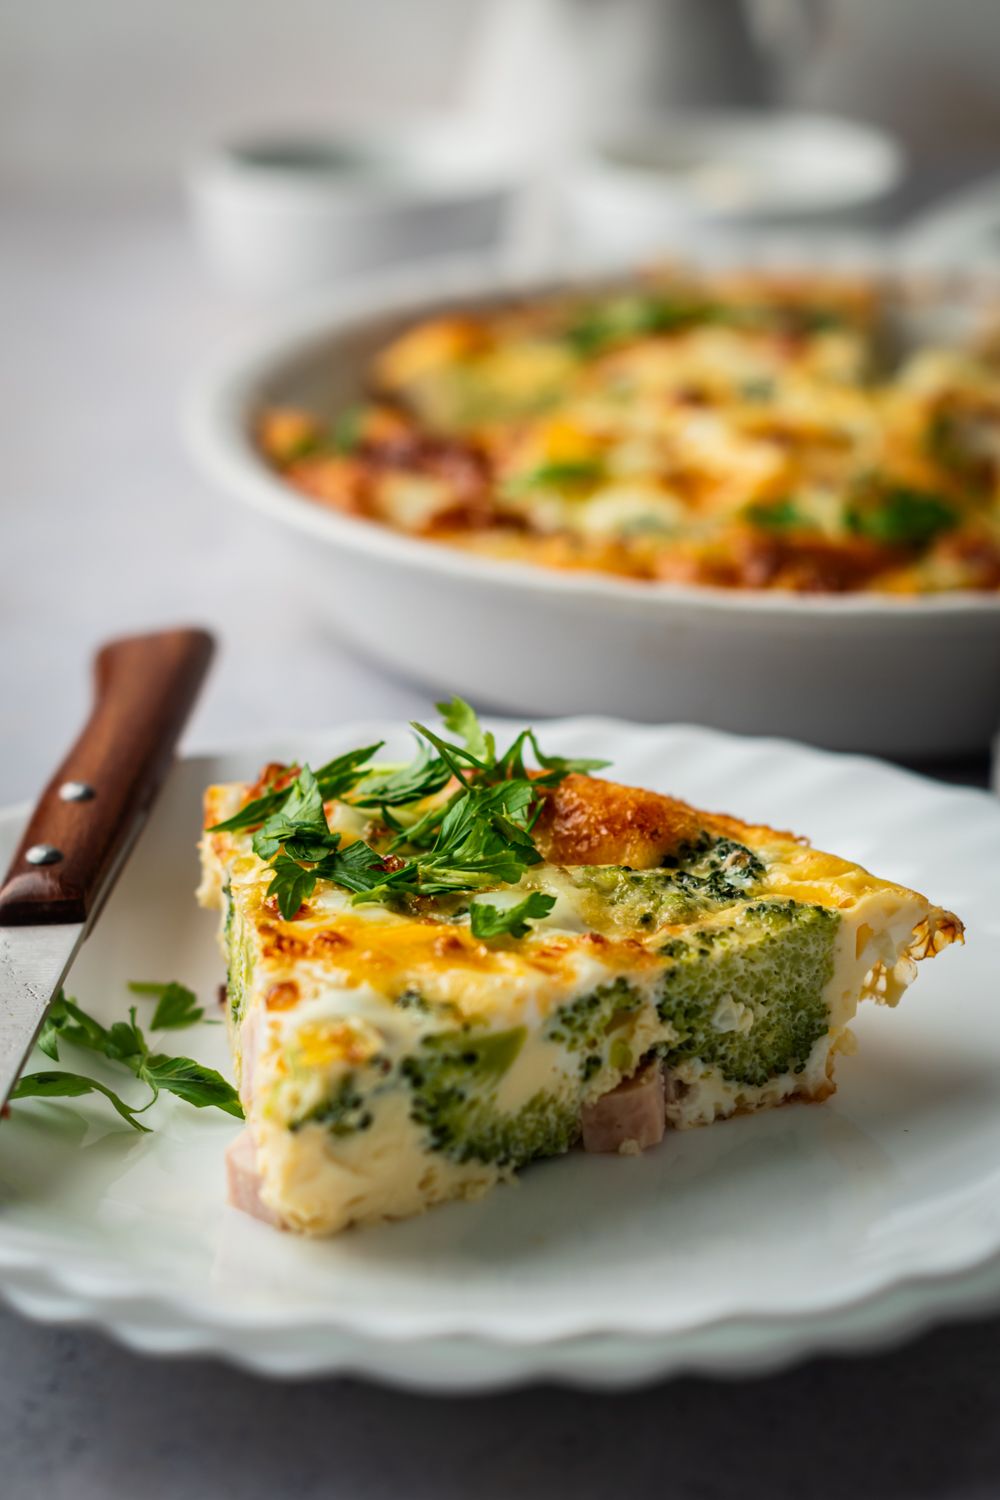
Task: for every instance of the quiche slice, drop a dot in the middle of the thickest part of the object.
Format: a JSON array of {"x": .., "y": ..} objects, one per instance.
[{"x": 442, "y": 971}]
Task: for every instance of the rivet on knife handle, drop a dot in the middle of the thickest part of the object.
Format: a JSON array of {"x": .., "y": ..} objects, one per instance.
[{"x": 145, "y": 686}]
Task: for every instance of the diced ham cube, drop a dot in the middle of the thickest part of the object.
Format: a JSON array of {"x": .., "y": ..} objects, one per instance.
[
  {"x": 631, "y": 1117},
  {"x": 243, "y": 1181}
]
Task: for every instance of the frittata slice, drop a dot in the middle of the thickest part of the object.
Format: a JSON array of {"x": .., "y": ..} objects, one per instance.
[{"x": 440, "y": 972}]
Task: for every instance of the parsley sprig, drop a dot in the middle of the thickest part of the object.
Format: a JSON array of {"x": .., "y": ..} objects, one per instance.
[
  {"x": 124, "y": 1042},
  {"x": 478, "y": 837},
  {"x": 489, "y": 921},
  {"x": 335, "y": 779}
]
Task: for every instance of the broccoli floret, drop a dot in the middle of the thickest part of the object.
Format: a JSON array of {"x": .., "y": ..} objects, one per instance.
[
  {"x": 583, "y": 1024},
  {"x": 724, "y": 861},
  {"x": 344, "y": 1113},
  {"x": 700, "y": 877},
  {"x": 776, "y": 959},
  {"x": 744, "y": 995},
  {"x": 412, "y": 999},
  {"x": 454, "y": 1081},
  {"x": 587, "y": 1024},
  {"x": 239, "y": 974}
]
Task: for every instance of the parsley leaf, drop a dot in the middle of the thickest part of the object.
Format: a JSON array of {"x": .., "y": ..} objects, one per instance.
[
  {"x": 360, "y": 868},
  {"x": 291, "y": 884},
  {"x": 53, "y": 1085},
  {"x": 900, "y": 516},
  {"x": 479, "y": 836},
  {"x": 619, "y": 318},
  {"x": 176, "y": 1005},
  {"x": 561, "y": 765},
  {"x": 253, "y": 813},
  {"x": 334, "y": 779},
  {"x": 556, "y": 767},
  {"x": 345, "y": 771},
  {"x": 124, "y": 1042},
  {"x": 483, "y": 839},
  {"x": 422, "y": 833},
  {"x": 191, "y": 1081},
  {"x": 569, "y": 474},
  {"x": 458, "y": 758},
  {"x": 774, "y": 515},
  {"x": 65, "y": 1021},
  {"x": 489, "y": 921},
  {"x": 459, "y": 718},
  {"x": 424, "y": 776},
  {"x": 348, "y": 429},
  {"x": 299, "y": 823}
]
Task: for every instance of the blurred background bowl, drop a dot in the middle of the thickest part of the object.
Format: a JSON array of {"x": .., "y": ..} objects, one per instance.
[
  {"x": 914, "y": 677},
  {"x": 279, "y": 214},
  {"x": 640, "y": 189}
]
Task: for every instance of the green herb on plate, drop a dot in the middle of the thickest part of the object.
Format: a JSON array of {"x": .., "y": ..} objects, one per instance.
[{"x": 124, "y": 1043}]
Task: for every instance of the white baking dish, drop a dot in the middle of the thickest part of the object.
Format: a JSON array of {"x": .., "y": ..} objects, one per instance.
[{"x": 917, "y": 677}]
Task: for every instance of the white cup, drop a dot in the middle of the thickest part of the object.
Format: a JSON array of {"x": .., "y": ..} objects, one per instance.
[{"x": 278, "y": 215}]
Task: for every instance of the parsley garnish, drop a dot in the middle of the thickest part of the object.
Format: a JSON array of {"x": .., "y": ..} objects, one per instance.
[
  {"x": 568, "y": 474},
  {"x": 489, "y": 921},
  {"x": 292, "y": 884},
  {"x": 423, "y": 776},
  {"x": 621, "y": 318},
  {"x": 555, "y": 767},
  {"x": 899, "y": 516},
  {"x": 334, "y": 779},
  {"x": 775, "y": 515},
  {"x": 299, "y": 823},
  {"x": 58, "y": 1085},
  {"x": 477, "y": 838},
  {"x": 176, "y": 1005},
  {"x": 348, "y": 430},
  {"x": 125, "y": 1043},
  {"x": 458, "y": 717}
]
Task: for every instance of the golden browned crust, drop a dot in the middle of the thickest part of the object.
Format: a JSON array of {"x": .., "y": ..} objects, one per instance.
[{"x": 587, "y": 821}]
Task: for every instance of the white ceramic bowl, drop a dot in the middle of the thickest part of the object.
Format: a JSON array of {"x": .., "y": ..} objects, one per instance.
[
  {"x": 643, "y": 187},
  {"x": 280, "y": 214},
  {"x": 916, "y": 677}
]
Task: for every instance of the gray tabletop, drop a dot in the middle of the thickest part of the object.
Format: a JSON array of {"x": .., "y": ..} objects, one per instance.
[{"x": 106, "y": 528}]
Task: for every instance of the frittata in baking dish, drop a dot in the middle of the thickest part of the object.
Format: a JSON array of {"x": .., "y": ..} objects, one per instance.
[
  {"x": 735, "y": 431},
  {"x": 441, "y": 971}
]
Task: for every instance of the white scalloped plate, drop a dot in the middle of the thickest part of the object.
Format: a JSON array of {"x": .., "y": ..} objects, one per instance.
[{"x": 734, "y": 1248}]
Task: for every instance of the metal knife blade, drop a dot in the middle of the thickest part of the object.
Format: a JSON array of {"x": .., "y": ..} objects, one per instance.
[
  {"x": 33, "y": 964},
  {"x": 86, "y": 822}
]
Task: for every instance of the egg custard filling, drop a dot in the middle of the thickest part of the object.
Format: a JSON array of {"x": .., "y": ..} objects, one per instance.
[{"x": 440, "y": 971}]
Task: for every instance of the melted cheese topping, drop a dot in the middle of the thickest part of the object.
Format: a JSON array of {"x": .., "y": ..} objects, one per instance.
[{"x": 728, "y": 431}]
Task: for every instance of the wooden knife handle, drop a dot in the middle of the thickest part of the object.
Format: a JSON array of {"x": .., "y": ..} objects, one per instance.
[{"x": 88, "y": 815}]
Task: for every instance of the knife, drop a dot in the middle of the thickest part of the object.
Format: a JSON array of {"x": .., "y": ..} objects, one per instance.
[{"x": 86, "y": 822}]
